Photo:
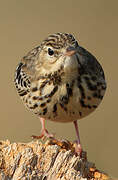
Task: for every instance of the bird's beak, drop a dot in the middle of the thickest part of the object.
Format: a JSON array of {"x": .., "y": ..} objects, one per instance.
[{"x": 70, "y": 51}]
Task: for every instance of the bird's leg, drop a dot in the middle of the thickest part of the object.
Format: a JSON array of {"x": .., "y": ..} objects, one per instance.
[
  {"x": 44, "y": 131},
  {"x": 78, "y": 147}
]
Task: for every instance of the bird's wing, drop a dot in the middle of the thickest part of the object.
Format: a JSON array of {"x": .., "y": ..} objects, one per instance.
[
  {"x": 90, "y": 63},
  {"x": 25, "y": 71},
  {"x": 22, "y": 80}
]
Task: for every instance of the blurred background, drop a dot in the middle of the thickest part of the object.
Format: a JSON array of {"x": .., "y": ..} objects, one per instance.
[{"x": 23, "y": 25}]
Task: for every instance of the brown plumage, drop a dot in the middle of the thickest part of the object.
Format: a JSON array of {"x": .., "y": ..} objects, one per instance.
[{"x": 60, "y": 81}]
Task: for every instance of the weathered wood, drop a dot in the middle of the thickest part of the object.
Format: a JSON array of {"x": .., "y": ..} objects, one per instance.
[{"x": 54, "y": 160}]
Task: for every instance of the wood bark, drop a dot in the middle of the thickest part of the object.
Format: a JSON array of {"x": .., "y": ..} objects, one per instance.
[{"x": 52, "y": 160}]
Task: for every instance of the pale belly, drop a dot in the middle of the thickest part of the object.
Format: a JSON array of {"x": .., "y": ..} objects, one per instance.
[
  {"x": 72, "y": 111},
  {"x": 68, "y": 110}
]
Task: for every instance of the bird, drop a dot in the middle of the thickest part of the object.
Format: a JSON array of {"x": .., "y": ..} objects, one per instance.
[{"x": 60, "y": 81}]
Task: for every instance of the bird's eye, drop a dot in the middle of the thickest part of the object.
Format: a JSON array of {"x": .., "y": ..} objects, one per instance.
[{"x": 50, "y": 51}]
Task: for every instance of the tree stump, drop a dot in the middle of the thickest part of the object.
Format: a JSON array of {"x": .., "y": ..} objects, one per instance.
[{"x": 53, "y": 160}]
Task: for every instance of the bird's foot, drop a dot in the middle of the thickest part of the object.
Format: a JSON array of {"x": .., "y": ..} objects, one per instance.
[
  {"x": 44, "y": 134},
  {"x": 78, "y": 148}
]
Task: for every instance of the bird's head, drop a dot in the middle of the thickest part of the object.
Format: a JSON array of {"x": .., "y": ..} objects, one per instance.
[{"x": 58, "y": 53}]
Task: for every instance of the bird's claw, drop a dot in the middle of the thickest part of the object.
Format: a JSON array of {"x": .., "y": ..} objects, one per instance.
[
  {"x": 44, "y": 134},
  {"x": 78, "y": 148}
]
